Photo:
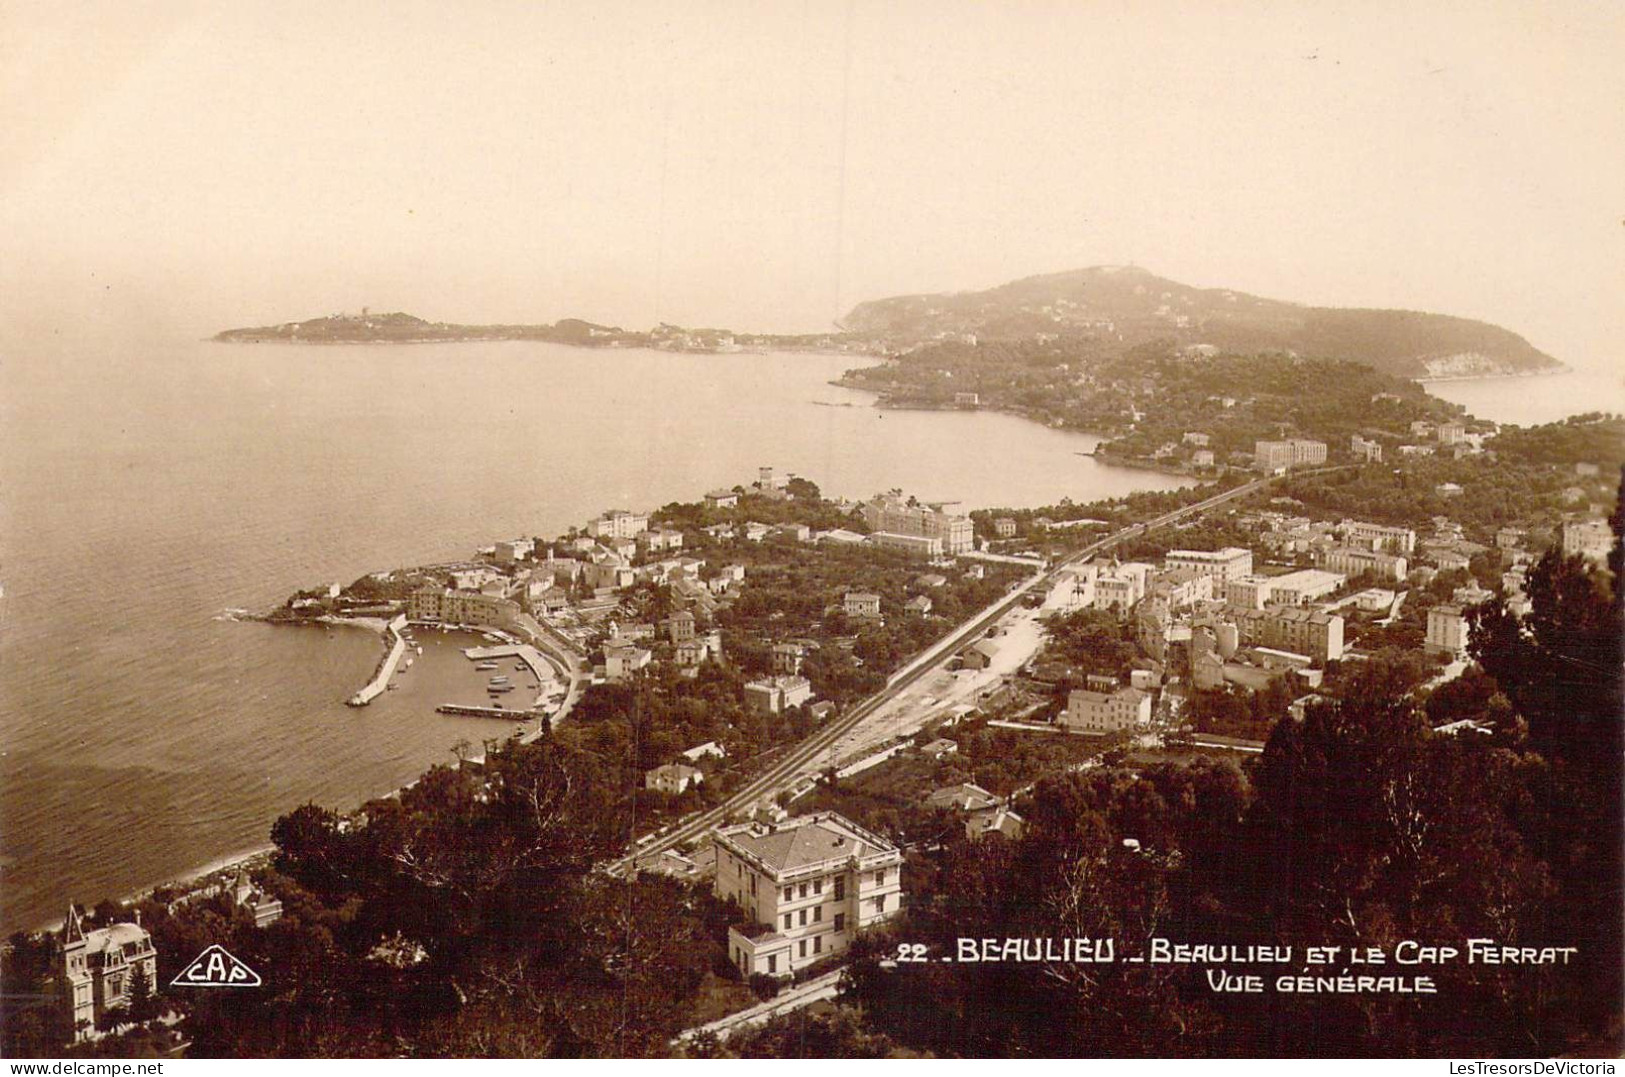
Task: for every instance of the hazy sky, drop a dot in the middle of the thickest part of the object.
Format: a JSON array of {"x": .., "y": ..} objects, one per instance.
[{"x": 762, "y": 165}]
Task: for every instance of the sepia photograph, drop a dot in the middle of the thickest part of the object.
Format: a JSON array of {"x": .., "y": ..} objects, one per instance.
[{"x": 752, "y": 529}]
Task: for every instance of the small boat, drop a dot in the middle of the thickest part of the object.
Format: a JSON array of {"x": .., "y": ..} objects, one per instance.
[
  {"x": 495, "y": 688},
  {"x": 486, "y": 665},
  {"x": 499, "y": 680},
  {"x": 420, "y": 650}
]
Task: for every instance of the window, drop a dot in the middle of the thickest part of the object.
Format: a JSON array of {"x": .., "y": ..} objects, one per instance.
[
  {"x": 787, "y": 893},
  {"x": 803, "y": 917},
  {"x": 803, "y": 948},
  {"x": 818, "y": 944},
  {"x": 787, "y": 920},
  {"x": 840, "y": 888},
  {"x": 803, "y": 890},
  {"x": 880, "y": 877},
  {"x": 772, "y": 964},
  {"x": 840, "y": 921},
  {"x": 818, "y": 886},
  {"x": 818, "y": 913},
  {"x": 753, "y": 886},
  {"x": 880, "y": 903}
]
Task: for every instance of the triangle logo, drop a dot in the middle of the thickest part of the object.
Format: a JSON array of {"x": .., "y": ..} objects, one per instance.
[{"x": 215, "y": 967}]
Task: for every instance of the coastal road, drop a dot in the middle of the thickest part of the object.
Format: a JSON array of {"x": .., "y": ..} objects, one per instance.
[
  {"x": 554, "y": 646},
  {"x": 782, "y": 774}
]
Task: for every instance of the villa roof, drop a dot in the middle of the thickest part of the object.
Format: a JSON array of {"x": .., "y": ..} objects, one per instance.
[{"x": 806, "y": 842}]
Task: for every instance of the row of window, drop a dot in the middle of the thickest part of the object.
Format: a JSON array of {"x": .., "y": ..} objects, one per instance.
[{"x": 816, "y": 886}]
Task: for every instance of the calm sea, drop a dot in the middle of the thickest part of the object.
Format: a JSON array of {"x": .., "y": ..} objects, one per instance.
[
  {"x": 1543, "y": 399},
  {"x": 149, "y": 486}
]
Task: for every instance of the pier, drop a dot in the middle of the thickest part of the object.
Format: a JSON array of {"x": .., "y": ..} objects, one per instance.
[
  {"x": 386, "y": 668},
  {"x": 472, "y": 711}
]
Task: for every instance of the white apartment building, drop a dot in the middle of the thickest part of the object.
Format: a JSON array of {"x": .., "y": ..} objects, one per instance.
[
  {"x": 807, "y": 886},
  {"x": 1223, "y": 565}
]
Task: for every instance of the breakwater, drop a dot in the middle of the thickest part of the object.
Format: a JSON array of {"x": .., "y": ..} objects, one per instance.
[{"x": 386, "y": 666}]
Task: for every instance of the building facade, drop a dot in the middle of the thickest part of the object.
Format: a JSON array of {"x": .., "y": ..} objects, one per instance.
[
  {"x": 1098, "y": 713},
  {"x": 806, "y": 885},
  {"x": 99, "y": 968},
  {"x": 1353, "y": 561},
  {"x": 1223, "y": 565},
  {"x": 1293, "y": 452},
  {"x": 895, "y": 516},
  {"x": 447, "y": 606},
  {"x": 1447, "y": 631},
  {"x": 1589, "y": 538},
  {"x": 1311, "y": 632}
]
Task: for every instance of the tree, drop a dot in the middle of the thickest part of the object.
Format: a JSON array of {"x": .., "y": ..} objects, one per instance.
[{"x": 143, "y": 1006}]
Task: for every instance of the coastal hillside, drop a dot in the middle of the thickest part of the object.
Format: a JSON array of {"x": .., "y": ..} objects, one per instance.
[{"x": 1128, "y": 306}]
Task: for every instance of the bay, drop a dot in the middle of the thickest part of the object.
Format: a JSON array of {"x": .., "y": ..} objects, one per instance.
[{"x": 149, "y": 484}]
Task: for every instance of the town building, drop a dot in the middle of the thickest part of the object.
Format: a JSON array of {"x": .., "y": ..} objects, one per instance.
[
  {"x": 673, "y": 778},
  {"x": 619, "y": 524},
  {"x": 1271, "y": 456},
  {"x": 679, "y": 626},
  {"x": 1182, "y": 587},
  {"x": 862, "y": 604},
  {"x": 1353, "y": 561},
  {"x": 1199, "y": 458},
  {"x": 661, "y": 540},
  {"x": 447, "y": 606},
  {"x": 721, "y": 499},
  {"x": 915, "y": 545},
  {"x": 709, "y": 750},
  {"x": 788, "y": 657},
  {"x": 1248, "y": 592},
  {"x": 1447, "y": 631},
  {"x": 1303, "y": 586},
  {"x": 507, "y": 553},
  {"x": 1300, "y": 631},
  {"x": 1223, "y": 565},
  {"x": 893, "y": 515},
  {"x": 265, "y": 909},
  {"x": 1590, "y": 538},
  {"x": 1452, "y": 433},
  {"x": 997, "y": 820},
  {"x": 1004, "y": 527},
  {"x": 99, "y": 967},
  {"x": 1365, "y": 449},
  {"x": 771, "y": 695},
  {"x": 1098, "y": 713},
  {"x": 919, "y": 604},
  {"x": 622, "y": 659},
  {"x": 807, "y": 886},
  {"x": 963, "y": 797}
]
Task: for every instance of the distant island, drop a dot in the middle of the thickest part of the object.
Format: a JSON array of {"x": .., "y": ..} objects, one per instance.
[{"x": 1104, "y": 309}]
